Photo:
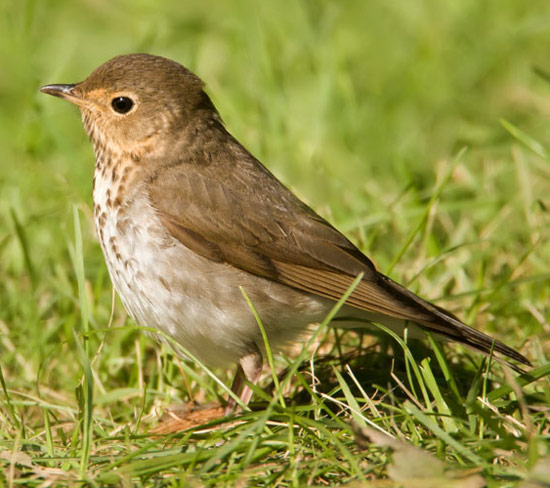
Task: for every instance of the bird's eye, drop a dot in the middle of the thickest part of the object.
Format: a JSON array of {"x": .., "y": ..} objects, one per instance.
[{"x": 122, "y": 105}]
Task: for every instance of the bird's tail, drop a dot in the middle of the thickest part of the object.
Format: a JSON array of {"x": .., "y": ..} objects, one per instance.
[{"x": 443, "y": 323}]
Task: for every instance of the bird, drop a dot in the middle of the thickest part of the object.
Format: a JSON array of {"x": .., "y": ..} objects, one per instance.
[{"x": 187, "y": 218}]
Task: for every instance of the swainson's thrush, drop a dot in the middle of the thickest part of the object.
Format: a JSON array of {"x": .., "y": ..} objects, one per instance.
[{"x": 186, "y": 215}]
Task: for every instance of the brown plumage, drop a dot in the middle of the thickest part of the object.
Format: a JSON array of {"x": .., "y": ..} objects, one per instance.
[{"x": 186, "y": 215}]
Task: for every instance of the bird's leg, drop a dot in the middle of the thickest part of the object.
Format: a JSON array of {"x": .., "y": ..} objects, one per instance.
[{"x": 250, "y": 367}]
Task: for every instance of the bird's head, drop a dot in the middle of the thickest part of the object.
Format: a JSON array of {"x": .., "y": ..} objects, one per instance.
[{"x": 134, "y": 102}]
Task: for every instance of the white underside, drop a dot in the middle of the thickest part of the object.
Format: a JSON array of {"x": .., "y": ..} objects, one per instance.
[{"x": 198, "y": 302}]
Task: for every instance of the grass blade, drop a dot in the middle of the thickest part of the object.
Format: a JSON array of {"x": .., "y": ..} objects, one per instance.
[
  {"x": 268, "y": 351},
  {"x": 422, "y": 222},
  {"x": 525, "y": 139},
  {"x": 23, "y": 242},
  {"x": 83, "y": 351}
]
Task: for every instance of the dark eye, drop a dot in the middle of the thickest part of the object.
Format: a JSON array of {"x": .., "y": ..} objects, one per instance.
[{"x": 122, "y": 105}]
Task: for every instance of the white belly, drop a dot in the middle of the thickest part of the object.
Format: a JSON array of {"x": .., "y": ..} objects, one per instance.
[{"x": 164, "y": 285}]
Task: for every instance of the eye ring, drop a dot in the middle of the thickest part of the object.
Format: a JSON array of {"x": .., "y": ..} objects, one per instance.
[{"x": 122, "y": 105}]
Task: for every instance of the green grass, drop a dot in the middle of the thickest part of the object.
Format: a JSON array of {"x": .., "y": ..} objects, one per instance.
[{"x": 421, "y": 129}]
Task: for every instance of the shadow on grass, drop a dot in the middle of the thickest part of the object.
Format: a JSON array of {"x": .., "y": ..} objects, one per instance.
[{"x": 383, "y": 372}]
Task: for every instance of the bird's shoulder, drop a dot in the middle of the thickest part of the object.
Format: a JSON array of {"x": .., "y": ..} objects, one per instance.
[{"x": 221, "y": 202}]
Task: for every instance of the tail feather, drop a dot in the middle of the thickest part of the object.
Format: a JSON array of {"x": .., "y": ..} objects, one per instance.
[{"x": 444, "y": 323}]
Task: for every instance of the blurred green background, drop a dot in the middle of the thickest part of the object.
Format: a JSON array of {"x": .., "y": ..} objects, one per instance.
[{"x": 359, "y": 106}]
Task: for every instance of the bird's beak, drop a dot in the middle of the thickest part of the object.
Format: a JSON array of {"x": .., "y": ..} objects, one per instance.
[{"x": 62, "y": 91}]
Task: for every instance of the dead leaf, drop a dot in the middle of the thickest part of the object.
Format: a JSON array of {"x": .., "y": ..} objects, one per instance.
[
  {"x": 178, "y": 420},
  {"x": 539, "y": 477},
  {"x": 415, "y": 468},
  {"x": 17, "y": 457}
]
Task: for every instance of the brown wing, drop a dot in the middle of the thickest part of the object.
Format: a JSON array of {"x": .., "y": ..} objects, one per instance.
[
  {"x": 227, "y": 207},
  {"x": 239, "y": 213}
]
